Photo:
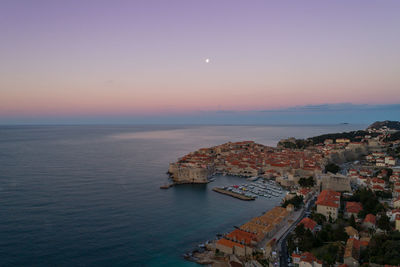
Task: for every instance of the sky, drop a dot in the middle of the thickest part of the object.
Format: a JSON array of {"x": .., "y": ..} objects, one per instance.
[{"x": 192, "y": 61}]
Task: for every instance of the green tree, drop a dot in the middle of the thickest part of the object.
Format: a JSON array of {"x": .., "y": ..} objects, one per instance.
[
  {"x": 297, "y": 201},
  {"x": 384, "y": 222},
  {"x": 338, "y": 233},
  {"x": 369, "y": 201},
  {"x": 332, "y": 167},
  {"x": 384, "y": 194},
  {"x": 318, "y": 217},
  {"x": 352, "y": 221},
  {"x": 299, "y": 230},
  {"x": 384, "y": 249},
  {"x": 306, "y": 182},
  {"x": 307, "y": 241},
  {"x": 328, "y": 253}
]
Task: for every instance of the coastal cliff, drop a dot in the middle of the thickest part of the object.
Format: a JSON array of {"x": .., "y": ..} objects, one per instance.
[{"x": 189, "y": 174}]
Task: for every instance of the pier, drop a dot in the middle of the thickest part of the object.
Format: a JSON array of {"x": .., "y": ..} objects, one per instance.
[
  {"x": 166, "y": 186},
  {"x": 232, "y": 194}
]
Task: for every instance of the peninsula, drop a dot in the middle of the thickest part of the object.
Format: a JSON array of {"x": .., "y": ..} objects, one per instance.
[
  {"x": 291, "y": 158},
  {"x": 343, "y": 188}
]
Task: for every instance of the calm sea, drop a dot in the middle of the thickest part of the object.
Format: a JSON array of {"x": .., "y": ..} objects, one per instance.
[{"x": 89, "y": 195}]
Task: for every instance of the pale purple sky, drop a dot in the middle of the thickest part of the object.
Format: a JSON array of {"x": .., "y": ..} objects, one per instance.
[{"x": 72, "y": 58}]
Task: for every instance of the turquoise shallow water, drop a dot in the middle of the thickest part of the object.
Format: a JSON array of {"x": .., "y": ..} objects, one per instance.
[{"x": 89, "y": 195}]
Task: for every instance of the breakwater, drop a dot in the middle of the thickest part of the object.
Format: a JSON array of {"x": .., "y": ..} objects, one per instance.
[{"x": 232, "y": 194}]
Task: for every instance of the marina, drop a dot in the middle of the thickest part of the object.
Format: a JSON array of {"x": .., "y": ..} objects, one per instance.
[
  {"x": 233, "y": 194},
  {"x": 252, "y": 190}
]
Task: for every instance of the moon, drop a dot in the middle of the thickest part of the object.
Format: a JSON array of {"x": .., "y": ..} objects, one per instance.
[{"x": 207, "y": 60}]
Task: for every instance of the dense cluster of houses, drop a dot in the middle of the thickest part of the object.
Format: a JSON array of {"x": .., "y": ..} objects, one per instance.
[
  {"x": 249, "y": 159},
  {"x": 243, "y": 240},
  {"x": 373, "y": 174},
  {"x": 306, "y": 259},
  {"x": 328, "y": 204},
  {"x": 381, "y": 159}
]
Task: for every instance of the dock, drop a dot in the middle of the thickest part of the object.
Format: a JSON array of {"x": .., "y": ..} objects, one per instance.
[
  {"x": 166, "y": 186},
  {"x": 232, "y": 194}
]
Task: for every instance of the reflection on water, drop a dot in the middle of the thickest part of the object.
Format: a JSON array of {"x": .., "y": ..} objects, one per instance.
[{"x": 80, "y": 195}]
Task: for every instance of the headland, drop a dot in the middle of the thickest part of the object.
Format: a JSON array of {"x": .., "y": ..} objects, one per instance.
[{"x": 332, "y": 167}]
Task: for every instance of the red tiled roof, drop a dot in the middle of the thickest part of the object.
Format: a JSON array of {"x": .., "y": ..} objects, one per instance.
[
  {"x": 378, "y": 181},
  {"x": 307, "y": 257},
  {"x": 378, "y": 187},
  {"x": 353, "y": 207},
  {"x": 296, "y": 255},
  {"x": 352, "y": 247},
  {"x": 229, "y": 243},
  {"x": 304, "y": 191},
  {"x": 308, "y": 223},
  {"x": 370, "y": 218},
  {"x": 239, "y": 235},
  {"x": 356, "y": 243},
  {"x": 328, "y": 198},
  {"x": 364, "y": 243}
]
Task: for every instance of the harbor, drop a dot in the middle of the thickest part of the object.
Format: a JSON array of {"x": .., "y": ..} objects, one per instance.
[
  {"x": 233, "y": 194},
  {"x": 252, "y": 190}
]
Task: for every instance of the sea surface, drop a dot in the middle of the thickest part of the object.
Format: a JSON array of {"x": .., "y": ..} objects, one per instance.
[{"x": 89, "y": 195}]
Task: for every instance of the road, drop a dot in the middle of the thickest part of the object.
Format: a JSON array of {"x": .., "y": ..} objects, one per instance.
[{"x": 282, "y": 244}]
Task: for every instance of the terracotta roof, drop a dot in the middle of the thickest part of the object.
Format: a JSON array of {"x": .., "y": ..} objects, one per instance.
[
  {"x": 378, "y": 181},
  {"x": 353, "y": 207},
  {"x": 304, "y": 191},
  {"x": 352, "y": 248},
  {"x": 239, "y": 235},
  {"x": 307, "y": 257},
  {"x": 265, "y": 223},
  {"x": 296, "y": 255},
  {"x": 378, "y": 187},
  {"x": 364, "y": 243},
  {"x": 308, "y": 223},
  {"x": 229, "y": 243},
  {"x": 328, "y": 198},
  {"x": 370, "y": 218},
  {"x": 351, "y": 231}
]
